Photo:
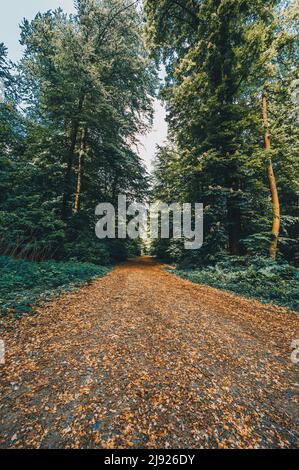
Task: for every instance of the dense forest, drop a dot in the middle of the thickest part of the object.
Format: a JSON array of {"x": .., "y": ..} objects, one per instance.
[
  {"x": 232, "y": 98},
  {"x": 117, "y": 334},
  {"x": 233, "y": 116},
  {"x": 73, "y": 106}
]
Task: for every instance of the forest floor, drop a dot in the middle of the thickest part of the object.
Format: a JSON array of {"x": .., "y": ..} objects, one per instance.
[{"x": 144, "y": 359}]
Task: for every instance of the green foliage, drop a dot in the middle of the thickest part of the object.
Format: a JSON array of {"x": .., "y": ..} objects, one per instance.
[
  {"x": 219, "y": 58},
  {"x": 85, "y": 84},
  {"x": 259, "y": 278},
  {"x": 24, "y": 284}
]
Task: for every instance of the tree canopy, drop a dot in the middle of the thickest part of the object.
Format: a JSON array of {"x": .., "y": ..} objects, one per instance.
[
  {"x": 79, "y": 96},
  {"x": 221, "y": 58}
]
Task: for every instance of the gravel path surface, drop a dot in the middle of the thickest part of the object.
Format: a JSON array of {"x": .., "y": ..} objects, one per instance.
[{"x": 142, "y": 358}]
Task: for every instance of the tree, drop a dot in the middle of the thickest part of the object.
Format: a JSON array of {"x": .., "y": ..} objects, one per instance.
[
  {"x": 85, "y": 83},
  {"x": 218, "y": 56},
  {"x": 272, "y": 182}
]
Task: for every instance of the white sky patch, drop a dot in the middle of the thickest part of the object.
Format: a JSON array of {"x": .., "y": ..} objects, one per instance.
[
  {"x": 12, "y": 14},
  {"x": 156, "y": 136}
]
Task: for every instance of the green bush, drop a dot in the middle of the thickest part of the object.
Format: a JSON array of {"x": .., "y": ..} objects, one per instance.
[
  {"x": 24, "y": 283},
  {"x": 259, "y": 278}
]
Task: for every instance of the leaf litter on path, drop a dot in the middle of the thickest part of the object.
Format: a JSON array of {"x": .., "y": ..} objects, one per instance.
[{"x": 143, "y": 359}]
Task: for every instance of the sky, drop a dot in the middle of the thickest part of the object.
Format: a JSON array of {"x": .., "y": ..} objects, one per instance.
[{"x": 12, "y": 13}]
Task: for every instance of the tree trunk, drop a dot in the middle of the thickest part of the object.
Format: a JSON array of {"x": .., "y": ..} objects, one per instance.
[
  {"x": 68, "y": 174},
  {"x": 234, "y": 230},
  {"x": 273, "y": 187},
  {"x": 234, "y": 216},
  {"x": 80, "y": 166}
]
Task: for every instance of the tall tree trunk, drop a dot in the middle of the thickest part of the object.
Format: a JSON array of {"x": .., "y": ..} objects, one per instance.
[
  {"x": 80, "y": 166},
  {"x": 272, "y": 183},
  {"x": 234, "y": 216},
  {"x": 68, "y": 174},
  {"x": 234, "y": 230}
]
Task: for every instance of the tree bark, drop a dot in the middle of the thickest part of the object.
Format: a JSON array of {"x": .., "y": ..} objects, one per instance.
[
  {"x": 68, "y": 174},
  {"x": 273, "y": 187},
  {"x": 233, "y": 216},
  {"x": 80, "y": 166},
  {"x": 234, "y": 230}
]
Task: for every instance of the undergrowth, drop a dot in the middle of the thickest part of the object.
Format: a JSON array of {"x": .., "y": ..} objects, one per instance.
[
  {"x": 259, "y": 278},
  {"x": 25, "y": 284}
]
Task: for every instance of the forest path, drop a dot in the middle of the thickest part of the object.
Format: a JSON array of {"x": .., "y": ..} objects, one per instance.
[{"x": 142, "y": 358}]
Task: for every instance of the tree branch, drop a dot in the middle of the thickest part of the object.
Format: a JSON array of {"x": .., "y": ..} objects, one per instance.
[
  {"x": 187, "y": 10},
  {"x": 109, "y": 22}
]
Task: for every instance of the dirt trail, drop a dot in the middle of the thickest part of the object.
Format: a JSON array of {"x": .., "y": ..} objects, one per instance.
[{"x": 142, "y": 358}]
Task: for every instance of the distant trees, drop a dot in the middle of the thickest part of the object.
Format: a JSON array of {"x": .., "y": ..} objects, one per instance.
[{"x": 218, "y": 56}]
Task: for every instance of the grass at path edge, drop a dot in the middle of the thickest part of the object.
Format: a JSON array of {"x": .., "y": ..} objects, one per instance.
[
  {"x": 25, "y": 284},
  {"x": 268, "y": 282}
]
